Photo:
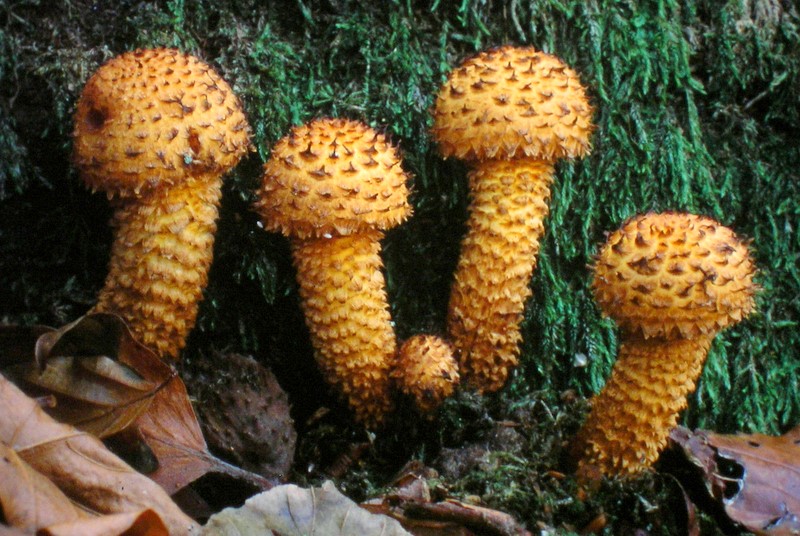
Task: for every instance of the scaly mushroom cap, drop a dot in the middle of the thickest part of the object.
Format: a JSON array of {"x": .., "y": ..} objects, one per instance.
[
  {"x": 426, "y": 371},
  {"x": 672, "y": 274},
  {"x": 156, "y": 116},
  {"x": 511, "y": 102},
  {"x": 333, "y": 177}
]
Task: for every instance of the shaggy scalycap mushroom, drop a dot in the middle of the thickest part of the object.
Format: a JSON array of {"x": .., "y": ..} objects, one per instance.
[
  {"x": 511, "y": 113},
  {"x": 156, "y": 130},
  {"x": 426, "y": 371},
  {"x": 333, "y": 186},
  {"x": 671, "y": 282}
]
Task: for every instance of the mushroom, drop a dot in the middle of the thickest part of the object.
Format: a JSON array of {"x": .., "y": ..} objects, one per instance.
[
  {"x": 511, "y": 113},
  {"x": 671, "y": 281},
  {"x": 156, "y": 130},
  {"x": 426, "y": 371},
  {"x": 333, "y": 186}
]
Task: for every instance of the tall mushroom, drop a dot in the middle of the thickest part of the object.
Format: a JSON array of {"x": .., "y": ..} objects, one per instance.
[
  {"x": 671, "y": 281},
  {"x": 156, "y": 130},
  {"x": 333, "y": 186},
  {"x": 511, "y": 113}
]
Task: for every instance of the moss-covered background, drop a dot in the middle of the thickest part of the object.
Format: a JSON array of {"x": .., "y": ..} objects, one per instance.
[{"x": 697, "y": 106}]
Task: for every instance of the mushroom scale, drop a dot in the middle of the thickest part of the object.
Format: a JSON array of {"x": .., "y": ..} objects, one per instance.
[
  {"x": 671, "y": 281},
  {"x": 333, "y": 186},
  {"x": 510, "y": 112},
  {"x": 156, "y": 130}
]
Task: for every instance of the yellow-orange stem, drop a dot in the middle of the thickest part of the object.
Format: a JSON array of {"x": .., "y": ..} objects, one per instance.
[
  {"x": 497, "y": 260},
  {"x": 347, "y": 313},
  {"x": 162, "y": 251},
  {"x": 630, "y": 420}
]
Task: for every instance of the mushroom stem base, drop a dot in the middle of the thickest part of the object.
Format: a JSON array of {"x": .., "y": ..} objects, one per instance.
[
  {"x": 347, "y": 313},
  {"x": 630, "y": 420},
  {"x": 498, "y": 257}
]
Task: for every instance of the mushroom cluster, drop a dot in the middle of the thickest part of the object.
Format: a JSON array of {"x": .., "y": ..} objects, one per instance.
[
  {"x": 671, "y": 281},
  {"x": 333, "y": 186},
  {"x": 511, "y": 113},
  {"x": 156, "y": 130}
]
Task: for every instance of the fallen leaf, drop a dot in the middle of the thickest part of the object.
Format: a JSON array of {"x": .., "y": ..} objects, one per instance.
[
  {"x": 78, "y": 463},
  {"x": 143, "y": 523},
  {"x": 289, "y": 510},
  {"x": 756, "y": 477},
  {"x": 28, "y": 500},
  {"x": 91, "y": 367},
  {"x": 105, "y": 381}
]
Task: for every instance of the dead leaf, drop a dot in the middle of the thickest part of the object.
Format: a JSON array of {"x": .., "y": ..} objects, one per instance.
[
  {"x": 28, "y": 500},
  {"x": 78, "y": 463},
  {"x": 289, "y": 510},
  {"x": 756, "y": 478},
  {"x": 92, "y": 369},
  {"x": 104, "y": 381},
  {"x": 143, "y": 523}
]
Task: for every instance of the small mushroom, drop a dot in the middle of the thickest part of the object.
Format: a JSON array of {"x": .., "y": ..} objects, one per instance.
[
  {"x": 670, "y": 281},
  {"x": 156, "y": 130},
  {"x": 511, "y": 113},
  {"x": 333, "y": 186},
  {"x": 426, "y": 371}
]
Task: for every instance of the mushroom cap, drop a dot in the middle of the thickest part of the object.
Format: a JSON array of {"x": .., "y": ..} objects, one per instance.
[
  {"x": 152, "y": 117},
  {"x": 512, "y": 102},
  {"x": 426, "y": 371},
  {"x": 674, "y": 275},
  {"x": 332, "y": 177}
]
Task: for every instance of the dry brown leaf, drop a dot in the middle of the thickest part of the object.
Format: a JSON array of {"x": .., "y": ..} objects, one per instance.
[
  {"x": 91, "y": 368},
  {"x": 170, "y": 429},
  {"x": 78, "y": 463},
  {"x": 143, "y": 523},
  {"x": 105, "y": 381},
  {"x": 28, "y": 500},
  {"x": 11, "y": 531},
  {"x": 755, "y": 478},
  {"x": 289, "y": 510}
]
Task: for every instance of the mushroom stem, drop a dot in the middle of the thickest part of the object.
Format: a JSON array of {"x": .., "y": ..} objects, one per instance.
[
  {"x": 630, "y": 420},
  {"x": 347, "y": 314},
  {"x": 162, "y": 251},
  {"x": 497, "y": 260}
]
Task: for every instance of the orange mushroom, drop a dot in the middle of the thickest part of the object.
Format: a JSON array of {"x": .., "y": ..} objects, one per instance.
[
  {"x": 671, "y": 281},
  {"x": 156, "y": 130},
  {"x": 426, "y": 371},
  {"x": 333, "y": 186},
  {"x": 511, "y": 113}
]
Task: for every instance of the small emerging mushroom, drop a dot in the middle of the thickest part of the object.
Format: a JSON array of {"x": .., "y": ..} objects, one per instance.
[
  {"x": 333, "y": 186},
  {"x": 156, "y": 130},
  {"x": 511, "y": 113},
  {"x": 671, "y": 281},
  {"x": 426, "y": 371}
]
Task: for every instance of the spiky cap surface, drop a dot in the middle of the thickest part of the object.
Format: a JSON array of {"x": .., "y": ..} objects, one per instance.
[
  {"x": 333, "y": 177},
  {"x": 510, "y": 102},
  {"x": 426, "y": 371},
  {"x": 674, "y": 274},
  {"x": 156, "y": 116}
]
